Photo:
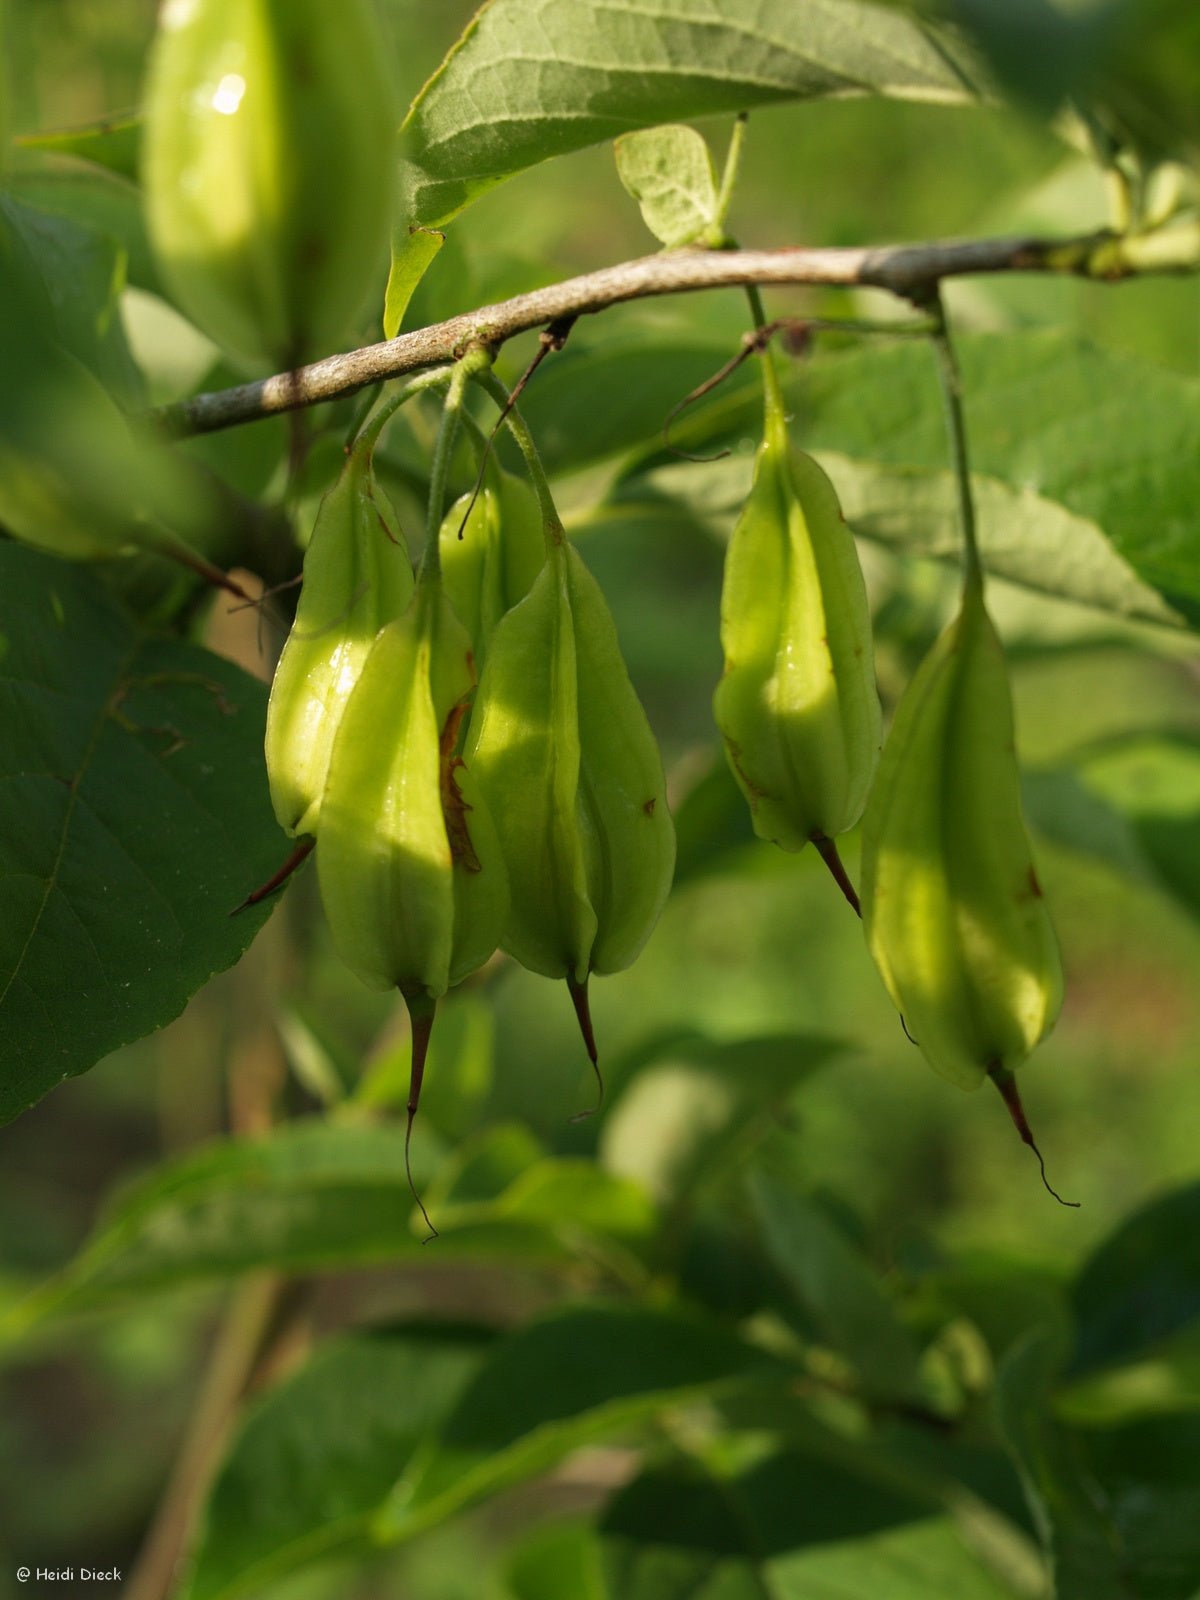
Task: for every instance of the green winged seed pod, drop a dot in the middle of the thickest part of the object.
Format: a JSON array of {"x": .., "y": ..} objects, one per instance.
[
  {"x": 410, "y": 868},
  {"x": 495, "y": 561},
  {"x": 952, "y": 909},
  {"x": 797, "y": 704},
  {"x": 357, "y": 578},
  {"x": 562, "y": 751},
  {"x": 268, "y": 168}
]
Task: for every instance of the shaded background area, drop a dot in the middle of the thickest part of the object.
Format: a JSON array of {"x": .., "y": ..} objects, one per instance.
[{"x": 753, "y": 943}]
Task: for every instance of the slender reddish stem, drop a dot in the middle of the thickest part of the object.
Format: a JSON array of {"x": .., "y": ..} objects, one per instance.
[
  {"x": 1010, "y": 1094},
  {"x": 828, "y": 852}
]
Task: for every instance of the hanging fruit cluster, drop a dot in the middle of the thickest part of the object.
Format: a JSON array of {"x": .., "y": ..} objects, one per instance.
[
  {"x": 463, "y": 747},
  {"x": 526, "y": 811},
  {"x": 951, "y": 904}
]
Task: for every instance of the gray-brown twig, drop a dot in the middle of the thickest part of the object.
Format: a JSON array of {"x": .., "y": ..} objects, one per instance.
[{"x": 909, "y": 271}]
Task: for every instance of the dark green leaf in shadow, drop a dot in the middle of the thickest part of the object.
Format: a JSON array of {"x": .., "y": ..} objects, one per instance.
[
  {"x": 314, "y": 1459},
  {"x": 1005, "y": 1299},
  {"x": 573, "y": 1377},
  {"x": 1074, "y": 1522},
  {"x": 1041, "y": 53},
  {"x": 1118, "y": 1507},
  {"x": 837, "y": 1288},
  {"x": 1029, "y": 538},
  {"x": 1142, "y": 1284},
  {"x": 1165, "y": 1381},
  {"x": 98, "y": 200},
  {"x": 1062, "y": 807},
  {"x": 133, "y": 818},
  {"x": 84, "y": 273},
  {"x": 791, "y": 1526},
  {"x": 712, "y": 823},
  {"x": 601, "y": 398},
  {"x": 678, "y": 1534}
]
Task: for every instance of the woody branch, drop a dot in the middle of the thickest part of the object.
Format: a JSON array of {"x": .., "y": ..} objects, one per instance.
[{"x": 907, "y": 271}]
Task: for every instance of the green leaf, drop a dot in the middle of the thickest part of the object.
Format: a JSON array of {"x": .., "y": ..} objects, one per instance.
[
  {"x": 573, "y": 1377},
  {"x": 1063, "y": 808},
  {"x": 530, "y": 79},
  {"x": 1142, "y": 1284},
  {"x": 689, "y": 1112},
  {"x": 83, "y": 272},
  {"x": 1049, "y": 418},
  {"x": 1025, "y": 537},
  {"x": 1040, "y": 52},
  {"x": 1161, "y": 1383},
  {"x": 133, "y": 818},
  {"x": 838, "y": 1290},
  {"x": 112, "y": 142},
  {"x": 314, "y": 1459},
  {"x": 311, "y": 1194},
  {"x": 669, "y": 172},
  {"x": 1146, "y": 1475},
  {"x": 98, "y": 200},
  {"x": 483, "y": 1165},
  {"x": 321, "y": 1195},
  {"x": 792, "y": 1526},
  {"x": 561, "y": 1559},
  {"x": 413, "y": 252},
  {"x": 567, "y": 1198},
  {"x": 679, "y": 1532},
  {"x": 1152, "y": 781},
  {"x": 1078, "y": 496},
  {"x": 1117, "y": 1509},
  {"x": 1005, "y": 1298}
]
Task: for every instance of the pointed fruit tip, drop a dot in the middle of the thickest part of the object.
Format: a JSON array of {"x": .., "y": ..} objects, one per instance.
[
  {"x": 421, "y": 1013},
  {"x": 1006, "y": 1083},
  {"x": 583, "y": 1012},
  {"x": 828, "y": 852}
]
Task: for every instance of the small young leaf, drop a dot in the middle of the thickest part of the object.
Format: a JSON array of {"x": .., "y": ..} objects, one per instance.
[
  {"x": 669, "y": 172},
  {"x": 413, "y": 250}
]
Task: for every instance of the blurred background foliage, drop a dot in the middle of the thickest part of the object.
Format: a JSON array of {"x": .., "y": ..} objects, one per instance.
[{"x": 753, "y": 1030}]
